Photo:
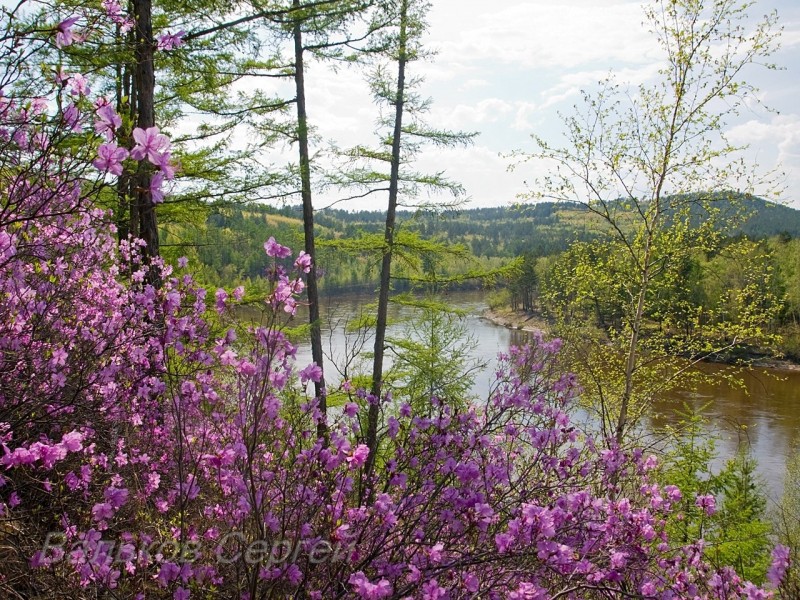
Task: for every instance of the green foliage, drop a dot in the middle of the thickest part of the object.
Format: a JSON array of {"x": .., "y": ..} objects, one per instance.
[
  {"x": 431, "y": 360},
  {"x": 738, "y": 533},
  {"x": 741, "y": 535},
  {"x": 687, "y": 466}
]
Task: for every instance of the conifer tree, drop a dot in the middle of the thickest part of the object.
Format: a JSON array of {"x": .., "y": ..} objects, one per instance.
[{"x": 388, "y": 168}]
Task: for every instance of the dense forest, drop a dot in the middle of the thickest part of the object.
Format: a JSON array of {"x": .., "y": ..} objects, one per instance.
[{"x": 158, "y": 437}]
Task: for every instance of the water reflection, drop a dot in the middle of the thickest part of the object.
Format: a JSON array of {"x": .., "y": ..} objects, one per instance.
[{"x": 763, "y": 413}]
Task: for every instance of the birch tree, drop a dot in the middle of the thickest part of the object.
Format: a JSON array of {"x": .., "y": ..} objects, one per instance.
[{"x": 652, "y": 164}]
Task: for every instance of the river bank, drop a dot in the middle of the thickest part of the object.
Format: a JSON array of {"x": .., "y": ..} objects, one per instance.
[
  {"x": 519, "y": 319},
  {"x": 530, "y": 321}
]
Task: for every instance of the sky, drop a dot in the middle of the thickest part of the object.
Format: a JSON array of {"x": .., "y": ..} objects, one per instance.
[{"x": 507, "y": 69}]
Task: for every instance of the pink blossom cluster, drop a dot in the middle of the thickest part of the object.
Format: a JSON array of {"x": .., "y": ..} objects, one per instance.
[
  {"x": 116, "y": 15},
  {"x": 150, "y": 144},
  {"x": 65, "y": 36},
  {"x": 170, "y": 41}
]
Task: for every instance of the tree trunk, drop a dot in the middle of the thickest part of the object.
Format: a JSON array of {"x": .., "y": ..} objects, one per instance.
[
  {"x": 312, "y": 290},
  {"x": 633, "y": 344},
  {"x": 146, "y": 117},
  {"x": 127, "y": 218},
  {"x": 388, "y": 244}
]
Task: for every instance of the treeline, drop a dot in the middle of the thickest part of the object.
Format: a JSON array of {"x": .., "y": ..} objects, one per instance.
[
  {"x": 227, "y": 244},
  {"x": 723, "y": 287}
]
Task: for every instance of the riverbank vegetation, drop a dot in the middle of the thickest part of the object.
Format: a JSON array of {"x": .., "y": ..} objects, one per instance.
[{"x": 155, "y": 444}]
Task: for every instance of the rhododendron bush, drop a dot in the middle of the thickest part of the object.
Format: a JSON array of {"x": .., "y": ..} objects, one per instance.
[{"x": 152, "y": 446}]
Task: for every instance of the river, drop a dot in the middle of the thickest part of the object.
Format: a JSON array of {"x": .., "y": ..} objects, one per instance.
[{"x": 763, "y": 413}]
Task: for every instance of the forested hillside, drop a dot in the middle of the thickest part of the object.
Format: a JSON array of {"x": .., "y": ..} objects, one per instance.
[{"x": 228, "y": 244}]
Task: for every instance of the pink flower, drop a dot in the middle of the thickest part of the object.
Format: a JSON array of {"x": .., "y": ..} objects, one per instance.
[
  {"x": 619, "y": 559},
  {"x": 780, "y": 563},
  {"x": 503, "y": 542},
  {"x": 220, "y": 300},
  {"x": 169, "y": 572},
  {"x": 38, "y": 106},
  {"x": 79, "y": 85},
  {"x": 648, "y": 589},
  {"x": 673, "y": 493},
  {"x": 102, "y": 511},
  {"x": 156, "y": 194},
  {"x": 303, "y": 262},
  {"x": 149, "y": 143},
  {"x": 707, "y": 503},
  {"x": 64, "y": 35},
  {"x": 115, "y": 496},
  {"x": 110, "y": 157},
  {"x": 72, "y": 441},
  {"x": 112, "y": 7},
  {"x": 114, "y": 12},
  {"x": 170, "y": 41},
  {"x": 72, "y": 117},
  {"x": 312, "y": 372},
  {"x": 368, "y": 590},
  {"x": 181, "y": 594},
  {"x": 359, "y": 456},
  {"x": 274, "y": 249},
  {"x": 164, "y": 163},
  {"x": 432, "y": 591},
  {"x": 108, "y": 121},
  {"x": 294, "y": 575}
]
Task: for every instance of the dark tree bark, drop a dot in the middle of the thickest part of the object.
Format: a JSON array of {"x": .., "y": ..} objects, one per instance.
[
  {"x": 388, "y": 241},
  {"x": 312, "y": 290},
  {"x": 145, "y": 82}
]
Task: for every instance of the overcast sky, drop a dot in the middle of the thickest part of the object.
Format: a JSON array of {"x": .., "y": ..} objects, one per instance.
[{"x": 506, "y": 69}]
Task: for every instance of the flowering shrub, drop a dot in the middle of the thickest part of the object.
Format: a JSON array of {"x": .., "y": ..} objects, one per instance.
[{"x": 151, "y": 446}]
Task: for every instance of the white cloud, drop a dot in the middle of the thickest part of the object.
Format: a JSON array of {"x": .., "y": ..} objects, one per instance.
[
  {"x": 541, "y": 33},
  {"x": 571, "y": 84},
  {"x": 774, "y": 142},
  {"x": 482, "y": 172},
  {"x": 461, "y": 116},
  {"x": 523, "y": 119},
  {"x": 781, "y": 134},
  {"x": 471, "y": 84},
  {"x": 505, "y": 68}
]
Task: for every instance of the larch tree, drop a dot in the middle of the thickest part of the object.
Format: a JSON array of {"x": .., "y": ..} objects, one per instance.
[
  {"x": 206, "y": 62},
  {"x": 327, "y": 30},
  {"x": 403, "y": 133}
]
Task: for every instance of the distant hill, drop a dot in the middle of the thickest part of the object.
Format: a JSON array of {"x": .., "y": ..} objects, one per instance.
[
  {"x": 769, "y": 219},
  {"x": 546, "y": 227},
  {"x": 229, "y": 246}
]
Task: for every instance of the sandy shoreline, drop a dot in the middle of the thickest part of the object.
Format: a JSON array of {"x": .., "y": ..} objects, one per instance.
[
  {"x": 529, "y": 321},
  {"x": 522, "y": 320}
]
